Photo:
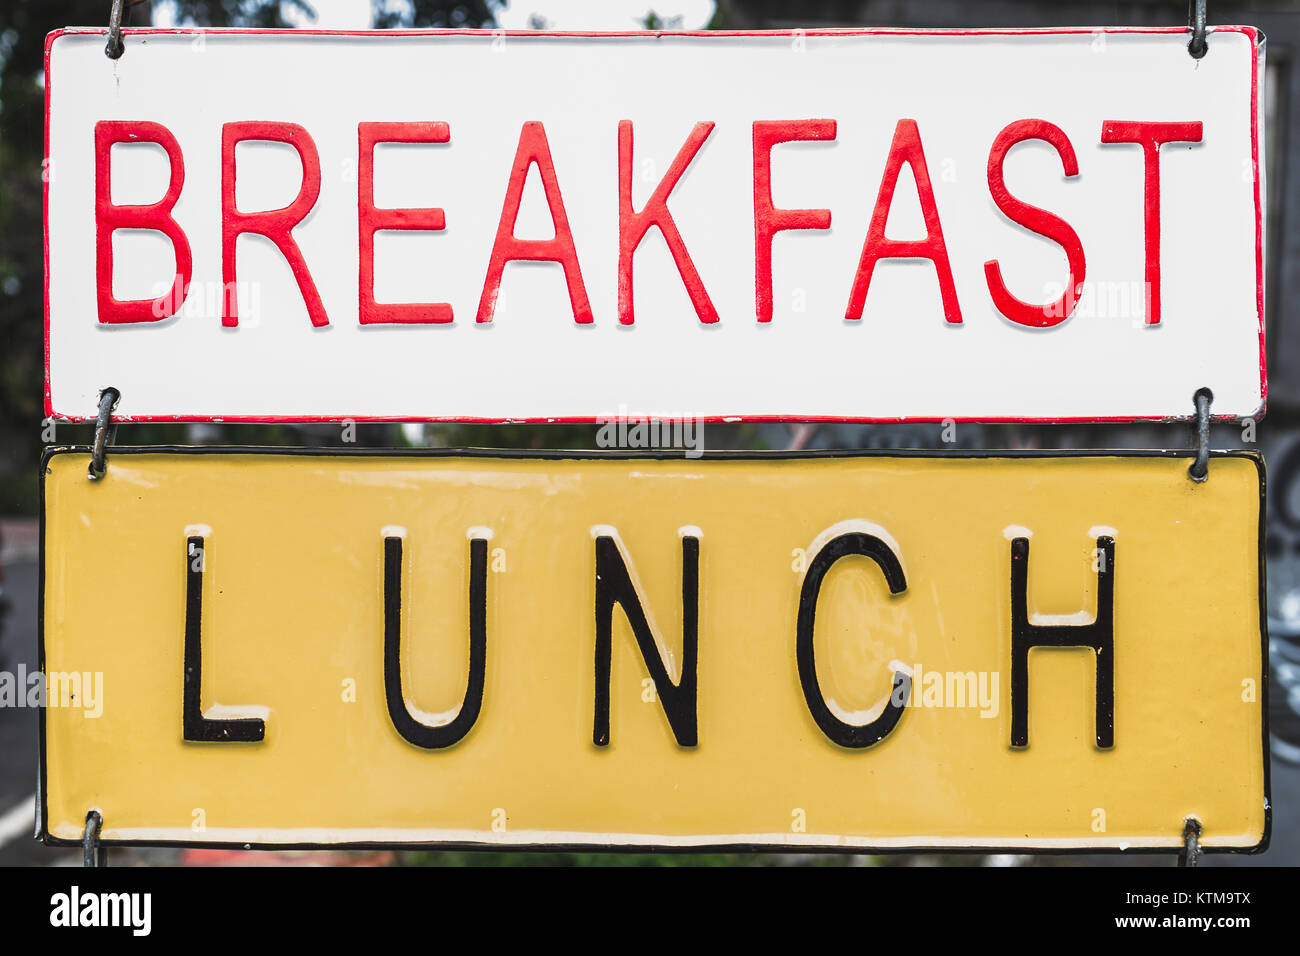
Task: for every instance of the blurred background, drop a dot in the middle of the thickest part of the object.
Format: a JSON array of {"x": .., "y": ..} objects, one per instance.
[{"x": 23, "y": 26}]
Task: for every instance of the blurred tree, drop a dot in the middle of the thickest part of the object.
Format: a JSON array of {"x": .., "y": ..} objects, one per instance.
[
  {"x": 228, "y": 13},
  {"x": 467, "y": 14}
]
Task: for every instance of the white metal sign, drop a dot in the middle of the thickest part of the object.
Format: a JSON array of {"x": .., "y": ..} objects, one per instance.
[{"x": 859, "y": 225}]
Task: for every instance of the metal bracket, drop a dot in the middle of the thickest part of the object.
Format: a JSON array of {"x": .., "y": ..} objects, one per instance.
[
  {"x": 104, "y": 432},
  {"x": 1196, "y": 19},
  {"x": 1199, "y": 470},
  {"x": 1191, "y": 852},
  {"x": 92, "y": 854}
]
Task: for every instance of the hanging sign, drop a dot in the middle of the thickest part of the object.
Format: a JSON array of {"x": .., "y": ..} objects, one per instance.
[
  {"x": 293, "y": 648},
  {"x": 864, "y": 225}
]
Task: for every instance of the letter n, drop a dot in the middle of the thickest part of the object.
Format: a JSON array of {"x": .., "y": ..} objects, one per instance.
[{"x": 614, "y": 586}]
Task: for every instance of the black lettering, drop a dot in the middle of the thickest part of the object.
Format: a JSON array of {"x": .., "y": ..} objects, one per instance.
[
  {"x": 614, "y": 586},
  {"x": 1099, "y": 635},
  {"x": 194, "y": 726},
  {"x": 838, "y": 731},
  {"x": 434, "y": 736}
]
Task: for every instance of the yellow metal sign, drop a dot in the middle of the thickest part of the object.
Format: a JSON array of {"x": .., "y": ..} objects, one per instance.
[{"x": 868, "y": 651}]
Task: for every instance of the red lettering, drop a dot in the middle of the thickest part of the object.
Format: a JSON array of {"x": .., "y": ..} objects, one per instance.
[
  {"x": 906, "y": 148},
  {"x": 768, "y": 220},
  {"x": 370, "y": 220},
  {"x": 533, "y": 148},
  {"x": 1150, "y": 136},
  {"x": 156, "y": 216},
  {"x": 275, "y": 224},
  {"x": 1036, "y": 220},
  {"x": 633, "y": 225}
]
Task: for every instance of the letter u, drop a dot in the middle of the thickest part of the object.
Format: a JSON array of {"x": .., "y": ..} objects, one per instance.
[{"x": 434, "y": 736}]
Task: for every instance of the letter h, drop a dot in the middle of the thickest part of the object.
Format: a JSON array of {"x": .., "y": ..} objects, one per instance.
[{"x": 1099, "y": 635}]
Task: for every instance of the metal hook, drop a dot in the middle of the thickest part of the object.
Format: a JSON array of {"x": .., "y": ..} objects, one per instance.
[
  {"x": 1191, "y": 852},
  {"x": 115, "y": 47},
  {"x": 92, "y": 854},
  {"x": 103, "y": 432},
  {"x": 1196, "y": 19},
  {"x": 1199, "y": 469}
]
